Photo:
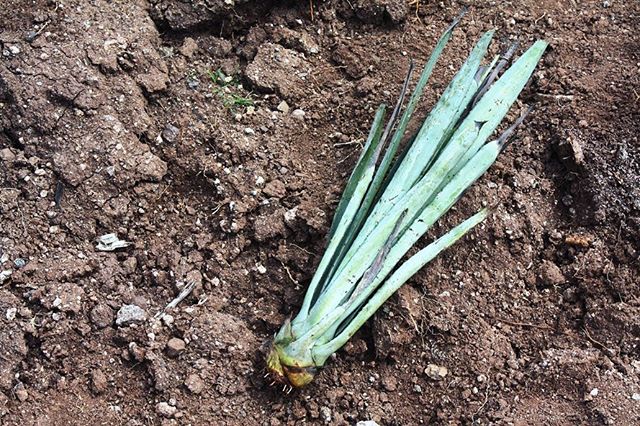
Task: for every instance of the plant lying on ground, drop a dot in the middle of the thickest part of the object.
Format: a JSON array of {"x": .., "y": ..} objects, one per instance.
[
  {"x": 387, "y": 206},
  {"x": 223, "y": 87}
]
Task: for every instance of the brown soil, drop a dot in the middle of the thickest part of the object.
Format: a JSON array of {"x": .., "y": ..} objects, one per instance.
[{"x": 109, "y": 122}]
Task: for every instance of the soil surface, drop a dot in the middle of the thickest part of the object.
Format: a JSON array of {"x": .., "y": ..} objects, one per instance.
[{"x": 216, "y": 137}]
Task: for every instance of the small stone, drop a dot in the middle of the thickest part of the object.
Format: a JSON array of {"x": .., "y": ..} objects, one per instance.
[
  {"x": 19, "y": 263},
  {"x": 259, "y": 181},
  {"x": 298, "y": 114},
  {"x": 550, "y": 274},
  {"x": 99, "y": 382},
  {"x": 367, "y": 423},
  {"x": 283, "y": 107},
  {"x": 111, "y": 242},
  {"x": 129, "y": 314},
  {"x": 261, "y": 269},
  {"x": 11, "y": 313},
  {"x": 193, "y": 83},
  {"x": 390, "y": 383},
  {"x": 175, "y": 347},
  {"x": 30, "y": 36},
  {"x": 249, "y": 131},
  {"x": 417, "y": 389},
  {"x": 165, "y": 410},
  {"x": 170, "y": 133},
  {"x": 594, "y": 392},
  {"x": 4, "y": 275},
  {"x": 194, "y": 383},
  {"x": 15, "y": 50},
  {"x": 101, "y": 315},
  {"x": 290, "y": 216},
  {"x": 436, "y": 372},
  {"x": 7, "y": 155},
  {"x": 167, "y": 319},
  {"x": 636, "y": 396},
  {"x": 325, "y": 414},
  {"x": 442, "y": 372},
  {"x": 481, "y": 378},
  {"x": 20, "y": 392}
]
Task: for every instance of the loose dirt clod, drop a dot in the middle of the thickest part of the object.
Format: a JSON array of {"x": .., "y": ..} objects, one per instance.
[
  {"x": 194, "y": 383},
  {"x": 175, "y": 347},
  {"x": 99, "y": 381},
  {"x": 550, "y": 274},
  {"x": 101, "y": 315}
]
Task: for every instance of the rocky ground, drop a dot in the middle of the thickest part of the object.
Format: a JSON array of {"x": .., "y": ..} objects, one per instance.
[{"x": 216, "y": 136}]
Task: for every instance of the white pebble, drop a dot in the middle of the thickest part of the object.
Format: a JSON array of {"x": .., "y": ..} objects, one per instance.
[
  {"x": 167, "y": 319},
  {"x": 298, "y": 114},
  {"x": 283, "y": 107},
  {"x": 11, "y": 313},
  {"x": 165, "y": 410},
  {"x": 249, "y": 131}
]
